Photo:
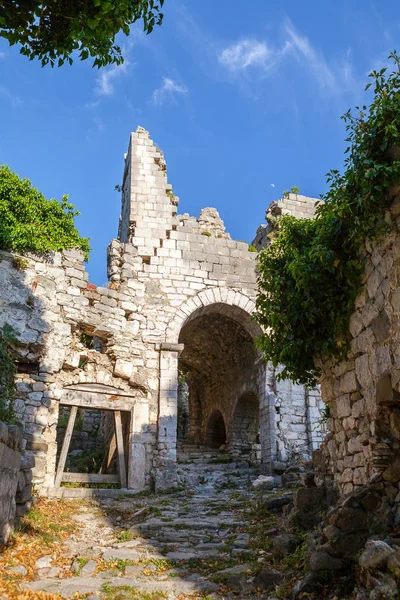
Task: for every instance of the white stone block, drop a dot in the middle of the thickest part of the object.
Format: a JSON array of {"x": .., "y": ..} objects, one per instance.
[{"x": 123, "y": 369}]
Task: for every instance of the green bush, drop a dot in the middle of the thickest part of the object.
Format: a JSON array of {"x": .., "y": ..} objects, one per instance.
[
  {"x": 252, "y": 248},
  {"x": 310, "y": 276},
  {"x": 30, "y": 223}
]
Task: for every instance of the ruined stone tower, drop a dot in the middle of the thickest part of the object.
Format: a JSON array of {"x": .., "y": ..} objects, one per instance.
[{"x": 178, "y": 308}]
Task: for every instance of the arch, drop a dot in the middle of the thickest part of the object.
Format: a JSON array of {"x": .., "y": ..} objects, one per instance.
[
  {"x": 216, "y": 430},
  {"x": 222, "y": 300}
]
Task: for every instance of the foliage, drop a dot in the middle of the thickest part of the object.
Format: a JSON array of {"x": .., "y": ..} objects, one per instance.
[
  {"x": 252, "y": 248},
  {"x": 310, "y": 276},
  {"x": 183, "y": 377},
  {"x": 296, "y": 560},
  {"x": 88, "y": 461},
  {"x": 86, "y": 340},
  {"x": 125, "y": 536},
  {"x": 42, "y": 531},
  {"x": 207, "y": 233},
  {"x": 53, "y": 31},
  {"x": 286, "y": 193},
  {"x": 30, "y": 223},
  {"x": 326, "y": 414},
  {"x": 127, "y": 592},
  {"x": 20, "y": 263},
  {"x": 295, "y": 190},
  {"x": 7, "y": 374}
]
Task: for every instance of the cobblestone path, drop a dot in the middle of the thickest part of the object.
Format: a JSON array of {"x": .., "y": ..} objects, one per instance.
[{"x": 191, "y": 544}]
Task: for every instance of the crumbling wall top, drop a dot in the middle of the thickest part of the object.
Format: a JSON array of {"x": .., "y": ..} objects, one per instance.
[{"x": 296, "y": 205}]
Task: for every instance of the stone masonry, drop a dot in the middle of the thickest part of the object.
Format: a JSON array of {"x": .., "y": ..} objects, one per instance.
[
  {"x": 363, "y": 392},
  {"x": 15, "y": 478},
  {"x": 296, "y": 205},
  {"x": 179, "y": 300}
]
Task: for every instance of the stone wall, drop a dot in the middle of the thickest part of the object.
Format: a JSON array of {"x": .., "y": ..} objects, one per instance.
[
  {"x": 15, "y": 479},
  {"x": 298, "y": 417},
  {"x": 50, "y": 304},
  {"x": 180, "y": 296},
  {"x": 363, "y": 392},
  {"x": 296, "y": 205}
]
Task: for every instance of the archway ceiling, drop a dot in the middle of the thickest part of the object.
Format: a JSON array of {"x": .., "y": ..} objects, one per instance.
[{"x": 216, "y": 347}]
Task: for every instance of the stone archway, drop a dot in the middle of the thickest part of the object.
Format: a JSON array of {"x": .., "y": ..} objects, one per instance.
[
  {"x": 216, "y": 430},
  {"x": 211, "y": 337},
  {"x": 223, "y": 300}
]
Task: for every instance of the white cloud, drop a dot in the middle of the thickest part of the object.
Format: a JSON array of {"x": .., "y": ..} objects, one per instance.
[
  {"x": 105, "y": 80},
  {"x": 261, "y": 57},
  {"x": 315, "y": 62},
  {"x": 12, "y": 98},
  {"x": 168, "y": 90},
  {"x": 246, "y": 53},
  {"x": 272, "y": 185},
  {"x": 99, "y": 124},
  {"x": 249, "y": 60},
  {"x": 93, "y": 104}
]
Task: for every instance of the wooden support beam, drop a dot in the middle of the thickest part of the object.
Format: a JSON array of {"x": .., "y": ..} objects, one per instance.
[
  {"x": 89, "y": 478},
  {"x": 111, "y": 451},
  {"x": 120, "y": 448},
  {"x": 76, "y": 493},
  {"x": 65, "y": 446},
  {"x": 87, "y": 401}
]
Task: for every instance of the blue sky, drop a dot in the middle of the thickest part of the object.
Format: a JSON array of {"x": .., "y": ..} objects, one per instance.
[{"x": 244, "y": 102}]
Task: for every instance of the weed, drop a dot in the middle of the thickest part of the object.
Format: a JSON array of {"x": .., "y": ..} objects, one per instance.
[
  {"x": 81, "y": 561},
  {"x": 296, "y": 560},
  {"x": 125, "y": 536},
  {"x": 20, "y": 263},
  {"x": 127, "y": 592}
]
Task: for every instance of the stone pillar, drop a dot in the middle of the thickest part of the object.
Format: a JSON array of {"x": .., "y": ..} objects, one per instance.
[
  {"x": 165, "y": 475},
  {"x": 267, "y": 417},
  {"x": 137, "y": 448}
]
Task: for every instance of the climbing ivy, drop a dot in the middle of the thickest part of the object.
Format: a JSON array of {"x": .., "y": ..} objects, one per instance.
[
  {"x": 7, "y": 374},
  {"x": 311, "y": 274},
  {"x": 31, "y": 223}
]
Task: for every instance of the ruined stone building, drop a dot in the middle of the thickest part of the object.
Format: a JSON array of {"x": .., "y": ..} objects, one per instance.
[{"x": 176, "y": 316}]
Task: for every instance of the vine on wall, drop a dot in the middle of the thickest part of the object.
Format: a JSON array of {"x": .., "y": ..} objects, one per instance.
[
  {"x": 7, "y": 374},
  {"x": 310, "y": 276}
]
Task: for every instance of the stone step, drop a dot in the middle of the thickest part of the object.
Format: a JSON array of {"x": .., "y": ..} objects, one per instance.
[{"x": 67, "y": 588}]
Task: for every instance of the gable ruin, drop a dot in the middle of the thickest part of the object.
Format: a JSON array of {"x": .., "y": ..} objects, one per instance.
[{"x": 170, "y": 339}]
